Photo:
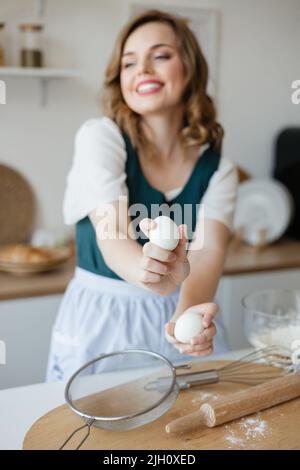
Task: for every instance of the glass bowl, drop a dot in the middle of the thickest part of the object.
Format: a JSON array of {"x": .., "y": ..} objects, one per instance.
[{"x": 272, "y": 317}]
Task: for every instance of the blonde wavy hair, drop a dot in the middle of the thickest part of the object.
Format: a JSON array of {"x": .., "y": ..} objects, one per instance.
[{"x": 199, "y": 122}]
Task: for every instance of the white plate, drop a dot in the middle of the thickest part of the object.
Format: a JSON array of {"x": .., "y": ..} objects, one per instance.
[{"x": 262, "y": 205}]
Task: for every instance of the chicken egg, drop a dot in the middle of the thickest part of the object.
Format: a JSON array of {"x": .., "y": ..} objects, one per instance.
[
  {"x": 187, "y": 326},
  {"x": 165, "y": 234}
]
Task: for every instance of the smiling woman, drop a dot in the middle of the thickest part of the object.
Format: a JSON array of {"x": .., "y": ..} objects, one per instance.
[
  {"x": 159, "y": 49},
  {"x": 156, "y": 148},
  {"x": 153, "y": 70}
]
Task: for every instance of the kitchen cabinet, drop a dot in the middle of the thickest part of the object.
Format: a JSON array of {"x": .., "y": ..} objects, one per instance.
[
  {"x": 25, "y": 329},
  {"x": 28, "y": 305},
  {"x": 28, "y": 308}
]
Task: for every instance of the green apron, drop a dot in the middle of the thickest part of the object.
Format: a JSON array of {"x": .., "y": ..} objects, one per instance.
[{"x": 89, "y": 256}]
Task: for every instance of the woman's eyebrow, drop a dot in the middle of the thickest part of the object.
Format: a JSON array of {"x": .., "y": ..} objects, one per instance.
[{"x": 155, "y": 46}]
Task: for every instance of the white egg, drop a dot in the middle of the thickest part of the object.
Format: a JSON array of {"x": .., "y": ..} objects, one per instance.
[
  {"x": 187, "y": 326},
  {"x": 165, "y": 234}
]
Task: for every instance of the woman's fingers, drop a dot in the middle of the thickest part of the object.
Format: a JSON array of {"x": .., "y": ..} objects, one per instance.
[
  {"x": 146, "y": 225},
  {"x": 198, "y": 343},
  {"x": 202, "y": 344},
  {"x": 203, "y": 341},
  {"x": 180, "y": 250},
  {"x": 169, "y": 327},
  {"x": 199, "y": 349},
  {"x": 208, "y": 311},
  {"x": 183, "y": 239},
  {"x": 205, "y": 336},
  {"x": 152, "y": 251},
  {"x": 206, "y": 352},
  {"x": 208, "y": 318},
  {"x": 150, "y": 264},
  {"x": 151, "y": 278},
  {"x": 169, "y": 332},
  {"x": 153, "y": 262}
]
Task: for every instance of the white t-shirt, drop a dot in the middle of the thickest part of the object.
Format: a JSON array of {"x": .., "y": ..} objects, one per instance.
[{"x": 98, "y": 176}]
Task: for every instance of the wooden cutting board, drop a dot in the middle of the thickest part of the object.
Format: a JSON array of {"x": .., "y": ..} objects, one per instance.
[{"x": 275, "y": 428}]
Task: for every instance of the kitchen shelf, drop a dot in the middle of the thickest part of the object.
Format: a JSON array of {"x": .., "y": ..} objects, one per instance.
[{"x": 43, "y": 74}]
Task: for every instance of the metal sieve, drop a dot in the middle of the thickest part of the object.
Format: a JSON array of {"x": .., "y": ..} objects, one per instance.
[
  {"x": 127, "y": 389},
  {"x": 112, "y": 391}
]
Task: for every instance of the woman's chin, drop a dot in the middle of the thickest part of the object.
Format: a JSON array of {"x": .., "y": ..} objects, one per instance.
[
  {"x": 151, "y": 110},
  {"x": 147, "y": 108}
]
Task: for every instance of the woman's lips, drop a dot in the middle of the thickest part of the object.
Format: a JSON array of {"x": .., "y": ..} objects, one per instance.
[{"x": 148, "y": 88}]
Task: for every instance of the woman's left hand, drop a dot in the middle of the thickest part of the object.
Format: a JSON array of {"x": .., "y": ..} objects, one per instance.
[
  {"x": 202, "y": 344},
  {"x": 155, "y": 262}
]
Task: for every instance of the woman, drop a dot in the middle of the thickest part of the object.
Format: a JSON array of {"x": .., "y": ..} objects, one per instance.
[{"x": 157, "y": 147}]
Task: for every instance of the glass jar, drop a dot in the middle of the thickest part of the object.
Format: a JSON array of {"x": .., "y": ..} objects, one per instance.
[
  {"x": 31, "y": 45},
  {"x": 2, "y": 60}
]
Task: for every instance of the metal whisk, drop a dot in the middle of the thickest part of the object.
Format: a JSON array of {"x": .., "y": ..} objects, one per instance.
[{"x": 240, "y": 371}]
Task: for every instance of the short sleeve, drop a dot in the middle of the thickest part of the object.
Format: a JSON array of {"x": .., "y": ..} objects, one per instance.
[
  {"x": 98, "y": 173},
  {"x": 219, "y": 199}
]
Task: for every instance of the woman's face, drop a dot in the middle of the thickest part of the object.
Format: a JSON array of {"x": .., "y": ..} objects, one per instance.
[{"x": 152, "y": 72}]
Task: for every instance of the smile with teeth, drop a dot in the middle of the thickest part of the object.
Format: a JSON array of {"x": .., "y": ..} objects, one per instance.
[{"x": 148, "y": 88}]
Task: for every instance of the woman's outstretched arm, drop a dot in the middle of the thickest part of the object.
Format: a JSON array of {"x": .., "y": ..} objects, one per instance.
[
  {"x": 199, "y": 288},
  {"x": 150, "y": 267}
]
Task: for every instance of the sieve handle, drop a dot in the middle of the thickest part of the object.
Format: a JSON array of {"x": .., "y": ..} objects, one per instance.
[{"x": 88, "y": 424}]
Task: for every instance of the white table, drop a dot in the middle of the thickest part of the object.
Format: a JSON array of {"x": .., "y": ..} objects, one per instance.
[{"x": 20, "y": 407}]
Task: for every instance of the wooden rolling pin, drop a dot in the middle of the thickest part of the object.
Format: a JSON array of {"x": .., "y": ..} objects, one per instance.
[{"x": 239, "y": 404}]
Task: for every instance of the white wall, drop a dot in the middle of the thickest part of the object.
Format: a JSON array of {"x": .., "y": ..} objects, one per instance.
[{"x": 259, "y": 58}]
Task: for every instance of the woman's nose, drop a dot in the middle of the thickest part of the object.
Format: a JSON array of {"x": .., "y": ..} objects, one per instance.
[{"x": 144, "y": 66}]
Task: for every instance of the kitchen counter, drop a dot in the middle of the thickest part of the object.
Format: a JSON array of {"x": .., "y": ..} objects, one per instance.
[
  {"x": 48, "y": 283},
  {"x": 284, "y": 254},
  {"x": 20, "y": 407},
  {"x": 243, "y": 259}
]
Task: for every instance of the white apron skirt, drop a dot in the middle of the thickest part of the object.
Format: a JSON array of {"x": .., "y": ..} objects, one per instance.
[{"x": 99, "y": 315}]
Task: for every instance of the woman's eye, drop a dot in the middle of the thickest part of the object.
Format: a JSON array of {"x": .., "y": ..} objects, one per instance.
[
  {"x": 161, "y": 57},
  {"x": 129, "y": 64}
]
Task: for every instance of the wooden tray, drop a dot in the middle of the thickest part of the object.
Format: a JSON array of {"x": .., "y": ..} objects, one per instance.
[
  {"x": 17, "y": 208},
  {"x": 275, "y": 428},
  {"x": 58, "y": 256}
]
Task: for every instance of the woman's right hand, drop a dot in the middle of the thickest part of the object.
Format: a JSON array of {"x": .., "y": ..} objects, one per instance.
[{"x": 162, "y": 271}]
